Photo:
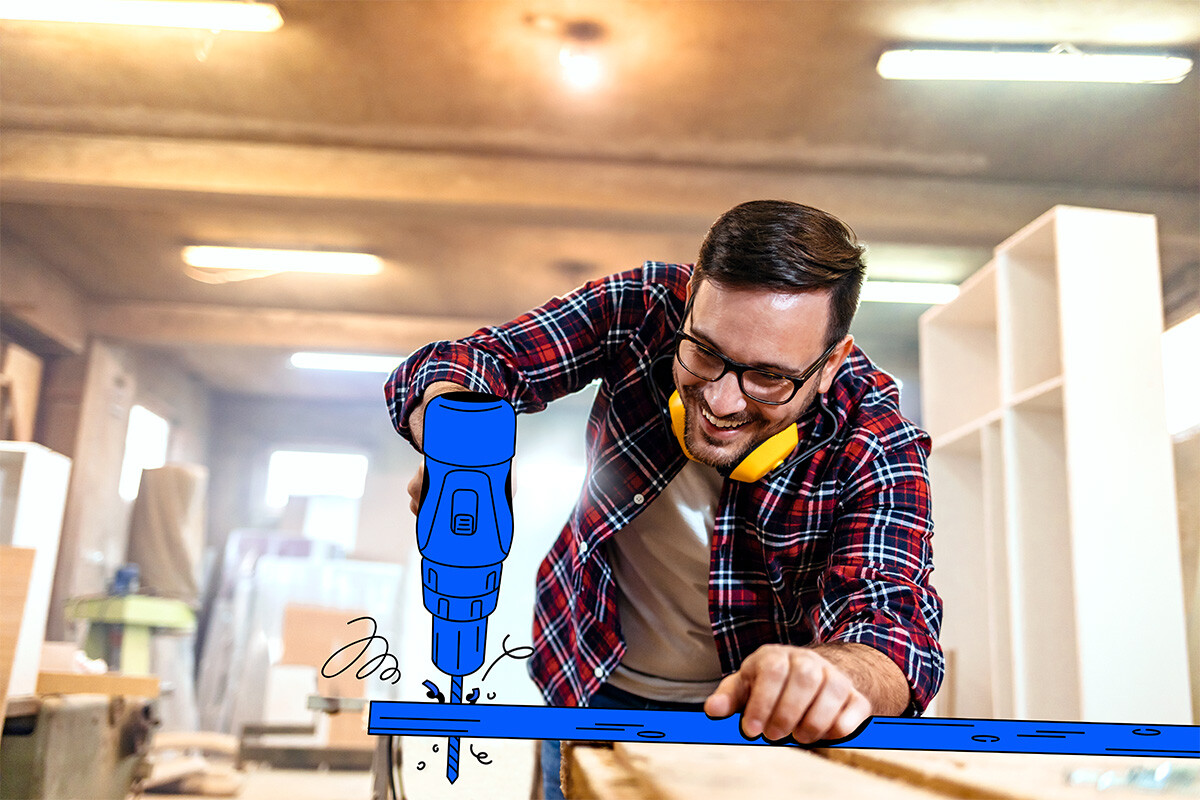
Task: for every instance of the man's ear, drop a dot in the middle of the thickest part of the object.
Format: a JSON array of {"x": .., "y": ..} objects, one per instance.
[{"x": 834, "y": 363}]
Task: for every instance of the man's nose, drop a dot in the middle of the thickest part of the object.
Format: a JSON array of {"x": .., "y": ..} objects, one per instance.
[{"x": 724, "y": 396}]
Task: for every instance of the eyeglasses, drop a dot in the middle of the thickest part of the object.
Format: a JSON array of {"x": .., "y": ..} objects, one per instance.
[{"x": 759, "y": 385}]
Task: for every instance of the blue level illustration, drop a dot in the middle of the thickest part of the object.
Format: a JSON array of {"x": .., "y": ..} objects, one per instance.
[
  {"x": 464, "y": 529},
  {"x": 695, "y": 727}
]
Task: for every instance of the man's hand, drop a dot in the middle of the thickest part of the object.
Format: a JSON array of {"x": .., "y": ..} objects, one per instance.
[
  {"x": 783, "y": 689},
  {"x": 414, "y": 489},
  {"x": 416, "y": 420}
]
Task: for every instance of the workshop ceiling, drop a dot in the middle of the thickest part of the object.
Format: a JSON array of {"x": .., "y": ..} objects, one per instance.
[{"x": 439, "y": 135}]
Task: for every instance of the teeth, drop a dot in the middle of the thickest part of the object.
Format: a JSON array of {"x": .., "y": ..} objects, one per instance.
[{"x": 718, "y": 422}]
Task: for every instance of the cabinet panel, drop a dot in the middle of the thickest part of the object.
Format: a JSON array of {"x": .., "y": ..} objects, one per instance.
[
  {"x": 959, "y": 348},
  {"x": 1045, "y": 668},
  {"x": 1028, "y": 303}
]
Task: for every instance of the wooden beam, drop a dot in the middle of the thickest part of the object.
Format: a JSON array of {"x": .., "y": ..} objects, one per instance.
[
  {"x": 182, "y": 324},
  {"x": 42, "y": 166},
  {"x": 40, "y": 300}
]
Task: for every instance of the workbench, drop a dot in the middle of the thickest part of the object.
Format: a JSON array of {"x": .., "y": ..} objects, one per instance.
[{"x": 636, "y": 771}]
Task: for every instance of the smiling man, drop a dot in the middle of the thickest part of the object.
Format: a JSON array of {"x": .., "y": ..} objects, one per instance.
[{"x": 754, "y": 531}]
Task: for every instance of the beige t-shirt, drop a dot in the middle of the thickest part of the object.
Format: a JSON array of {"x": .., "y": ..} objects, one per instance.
[{"x": 661, "y": 564}]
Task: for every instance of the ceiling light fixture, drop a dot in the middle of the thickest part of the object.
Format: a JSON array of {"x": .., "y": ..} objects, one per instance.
[
  {"x": 1063, "y": 62},
  {"x": 577, "y": 54},
  {"x": 345, "y": 362},
  {"x": 212, "y": 15},
  {"x": 929, "y": 294},
  {"x": 581, "y": 70},
  {"x": 258, "y": 262}
]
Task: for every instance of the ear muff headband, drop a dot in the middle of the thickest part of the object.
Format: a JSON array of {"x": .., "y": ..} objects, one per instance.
[{"x": 764, "y": 458}]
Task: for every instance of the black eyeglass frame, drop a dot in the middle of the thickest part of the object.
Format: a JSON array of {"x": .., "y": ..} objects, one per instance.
[{"x": 738, "y": 369}]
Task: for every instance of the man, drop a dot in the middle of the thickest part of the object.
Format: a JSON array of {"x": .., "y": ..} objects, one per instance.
[{"x": 695, "y": 571}]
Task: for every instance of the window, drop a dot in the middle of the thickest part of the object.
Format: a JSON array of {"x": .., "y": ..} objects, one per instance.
[
  {"x": 332, "y": 483},
  {"x": 145, "y": 448}
]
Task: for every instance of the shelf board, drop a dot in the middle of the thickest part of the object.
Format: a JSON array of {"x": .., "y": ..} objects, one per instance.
[
  {"x": 955, "y": 436},
  {"x": 1044, "y": 396}
]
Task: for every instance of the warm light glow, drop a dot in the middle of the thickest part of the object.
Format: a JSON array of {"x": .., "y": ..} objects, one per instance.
[
  {"x": 301, "y": 473},
  {"x": 930, "y": 294},
  {"x": 580, "y": 69},
  {"x": 345, "y": 362},
  {"x": 267, "y": 260},
  {"x": 1181, "y": 379},
  {"x": 1062, "y": 63},
  {"x": 214, "y": 15}
]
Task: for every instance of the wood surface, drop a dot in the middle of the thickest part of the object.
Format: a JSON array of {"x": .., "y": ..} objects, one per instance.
[
  {"x": 110, "y": 683},
  {"x": 720, "y": 772}
]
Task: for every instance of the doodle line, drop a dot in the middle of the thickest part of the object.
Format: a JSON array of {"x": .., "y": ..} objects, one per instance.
[{"x": 386, "y": 675}]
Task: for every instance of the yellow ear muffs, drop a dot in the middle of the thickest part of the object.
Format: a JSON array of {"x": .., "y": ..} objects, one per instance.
[{"x": 764, "y": 458}]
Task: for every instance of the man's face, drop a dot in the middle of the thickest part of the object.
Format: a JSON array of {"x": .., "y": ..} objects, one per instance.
[{"x": 781, "y": 332}]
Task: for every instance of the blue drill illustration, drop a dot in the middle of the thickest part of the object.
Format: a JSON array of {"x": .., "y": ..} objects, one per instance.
[{"x": 464, "y": 528}]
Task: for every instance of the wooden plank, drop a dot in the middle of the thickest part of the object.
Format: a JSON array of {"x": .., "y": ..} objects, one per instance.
[
  {"x": 110, "y": 683},
  {"x": 16, "y": 565},
  {"x": 718, "y": 772},
  {"x": 996, "y": 776},
  {"x": 597, "y": 773}
]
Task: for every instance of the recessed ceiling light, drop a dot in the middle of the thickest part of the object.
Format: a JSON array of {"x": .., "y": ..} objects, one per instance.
[
  {"x": 345, "y": 362},
  {"x": 214, "y": 15},
  {"x": 930, "y": 294},
  {"x": 268, "y": 260},
  {"x": 1060, "y": 63},
  {"x": 580, "y": 69}
]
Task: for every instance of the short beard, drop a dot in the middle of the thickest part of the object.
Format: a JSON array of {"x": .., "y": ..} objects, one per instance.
[{"x": 726, "y": 466}]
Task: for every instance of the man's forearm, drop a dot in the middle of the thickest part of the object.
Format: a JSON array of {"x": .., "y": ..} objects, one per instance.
[{"x": 874, "y": 675}]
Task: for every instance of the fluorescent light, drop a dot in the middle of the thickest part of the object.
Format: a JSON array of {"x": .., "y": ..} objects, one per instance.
[
  {"x": 345, "y": 362},
  {"x": 258, "y": 259},
  {"x": 929, "y": 294},
  {"x": 1181, "y": 380},
  {"x": 1061, "y": 63},
  {"x": 215, "y": 15}
]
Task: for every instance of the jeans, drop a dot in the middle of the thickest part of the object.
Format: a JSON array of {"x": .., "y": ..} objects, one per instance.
[{"x": 606, "y": 697}]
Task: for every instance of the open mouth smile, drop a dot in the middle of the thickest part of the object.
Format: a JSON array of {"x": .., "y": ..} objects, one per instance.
[{"x": 716, "y": 423}]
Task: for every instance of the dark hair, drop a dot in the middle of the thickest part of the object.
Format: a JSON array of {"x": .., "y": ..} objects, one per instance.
[{"x": 788, "y": 247}]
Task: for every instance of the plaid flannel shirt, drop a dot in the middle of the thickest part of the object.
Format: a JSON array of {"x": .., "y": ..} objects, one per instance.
[{"x": 831, "y": 546}]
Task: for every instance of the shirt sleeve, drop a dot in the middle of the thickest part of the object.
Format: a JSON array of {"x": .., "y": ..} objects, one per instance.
[
  {"x": 547, "y": 353},
  {"x": 875, "y": 590}
]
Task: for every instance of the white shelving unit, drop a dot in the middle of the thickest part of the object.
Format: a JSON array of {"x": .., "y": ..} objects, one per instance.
[{"x": 1056, "y": 543}]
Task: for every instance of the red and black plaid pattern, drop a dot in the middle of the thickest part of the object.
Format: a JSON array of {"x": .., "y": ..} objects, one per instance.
[{"x": 834, "y": 545}]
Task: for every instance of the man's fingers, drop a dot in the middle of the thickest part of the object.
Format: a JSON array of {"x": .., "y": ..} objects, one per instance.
[
  {"x": 414, "y": 489},
  {"x": 768, "y": 674},
  {"x": 857, "y": 709},
  {"x": 826, "y": 705},
  {"x": 804, "y": 687},
  {"x": 728, "y": 697}
]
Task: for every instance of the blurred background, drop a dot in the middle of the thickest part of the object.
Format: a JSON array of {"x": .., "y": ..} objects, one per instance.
[{"x": 489, "y": 154}]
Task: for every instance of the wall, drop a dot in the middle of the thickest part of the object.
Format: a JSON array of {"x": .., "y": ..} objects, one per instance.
[{"x": 85, "y": 413}]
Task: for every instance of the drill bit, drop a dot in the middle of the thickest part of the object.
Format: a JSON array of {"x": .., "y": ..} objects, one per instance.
[{"x": 452, "y": 742}]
